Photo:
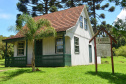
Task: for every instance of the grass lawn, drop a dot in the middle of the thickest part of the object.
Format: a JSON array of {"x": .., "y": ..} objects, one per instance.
[{"x": 67, "y": 75}]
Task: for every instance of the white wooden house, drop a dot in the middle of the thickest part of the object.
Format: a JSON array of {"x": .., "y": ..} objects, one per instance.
[{"x": 71, "y": 46}]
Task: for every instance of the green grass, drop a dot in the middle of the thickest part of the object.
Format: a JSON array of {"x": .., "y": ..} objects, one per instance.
[{"x": 68, "y": 75}]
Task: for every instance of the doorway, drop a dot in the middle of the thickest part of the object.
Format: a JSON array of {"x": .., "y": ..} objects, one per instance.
[{"x": 90, "y": 54}]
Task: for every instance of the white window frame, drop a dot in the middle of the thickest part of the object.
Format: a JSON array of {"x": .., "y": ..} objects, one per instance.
[
  {"x": 19, "y": 54},
  {"x": 81, "y": 21},
  {"x": 58, "y": 45},
  {"x": 76, "y": 52}
]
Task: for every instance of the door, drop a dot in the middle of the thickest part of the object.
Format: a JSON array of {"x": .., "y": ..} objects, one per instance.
[
  {"x": 38, "y": 52},
  {"x": 38, "y": 47},
  {"x": 90, "y": 54}
]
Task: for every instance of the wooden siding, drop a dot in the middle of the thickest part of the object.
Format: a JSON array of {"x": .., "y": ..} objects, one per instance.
[
  {"x": 82, "y": 58},
  {"x": 30, "y": 49},
  {"x": 49, "y": 46}
]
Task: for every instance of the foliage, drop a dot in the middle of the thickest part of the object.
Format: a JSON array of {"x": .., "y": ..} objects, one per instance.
[
  {"x": 68, "y": 75},
  {"x": 96, "y": 5},
  {"x": 119, "y": 32},
  {"x": 120, "y": 27},
  {"x": 107, "y": 27},
  {"x": 10, "y": 50},
  {"x": 37, "y": 7},
  {"x": 92, "y": 6},
  {"x": 35, "y": 30},
  {"x": 122, "y": 3},
  {"x": 121, "y": 51}
]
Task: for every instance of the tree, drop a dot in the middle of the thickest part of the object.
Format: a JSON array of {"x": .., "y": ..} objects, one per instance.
[
  {"x": 37, "y": 7},
  {"x": 71, "y": 3},
  {"x": 10, "y": 50},
  {"x": 122, "y": 3},
  {"x": 107, "y": 27},
  {"x": 120, "y": 27},
  {"x": 92, "y": 6},
  {"x": 119, "y": 32},
  {"x": 35, "y": 30}
]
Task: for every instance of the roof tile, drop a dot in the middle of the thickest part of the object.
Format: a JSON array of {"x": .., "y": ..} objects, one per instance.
[{"x": 61, "y": 20}]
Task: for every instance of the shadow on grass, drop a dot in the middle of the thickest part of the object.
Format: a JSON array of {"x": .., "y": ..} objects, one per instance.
[
  {"x": 116, "y": 78},
  {"x": 12, "y": 74}
]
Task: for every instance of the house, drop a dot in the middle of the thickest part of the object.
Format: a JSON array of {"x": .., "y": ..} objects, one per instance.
[{"x": 71, "y": 46}]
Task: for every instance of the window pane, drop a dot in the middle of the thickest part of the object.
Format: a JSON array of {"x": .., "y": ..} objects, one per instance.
[
  {"x": 76, "y": 44},
  {"x": 81, "y": 21},
  {"x": 76, "y": 48},
  {"x": 21, "y": 48},
  {"x": 81, "y": 24},
  {"x": 20, "y": 45},
  {"x": 21, "y": 51},
  {"x": 59, "y": 42},
  {"x": 85, "y": 23},
  {"x": 59, "y": 45},
  {"x": 60, "y": 50},
  {"x": 85, "y": 26},
  {"x": 76, "y": 41}
]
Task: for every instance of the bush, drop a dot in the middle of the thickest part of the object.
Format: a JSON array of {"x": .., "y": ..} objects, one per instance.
[
  {"x": 121, "y": 51},
  {"x": 10, "y": 49}
]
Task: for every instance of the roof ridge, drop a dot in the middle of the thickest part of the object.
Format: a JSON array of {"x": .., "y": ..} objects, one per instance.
[
  {"x": 60, "y": 20},
  {"x": 58, "y": 11}
]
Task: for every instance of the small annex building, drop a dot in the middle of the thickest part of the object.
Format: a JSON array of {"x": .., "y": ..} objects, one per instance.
[{"x": 71, "y": 46}]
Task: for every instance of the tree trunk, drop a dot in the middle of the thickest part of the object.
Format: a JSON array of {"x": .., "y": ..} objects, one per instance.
[
  {"x": 46, "y": 7},
  {"x": 72, "y": 3},
  {"x": 95, "y": 30},
  {"x": 33, "y": 57}
]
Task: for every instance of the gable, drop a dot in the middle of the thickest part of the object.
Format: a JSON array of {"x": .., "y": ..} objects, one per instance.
[{"x": 77, "y": 30}]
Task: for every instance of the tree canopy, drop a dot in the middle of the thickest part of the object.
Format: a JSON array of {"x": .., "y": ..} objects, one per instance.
[{"x": 10, "y": 50}]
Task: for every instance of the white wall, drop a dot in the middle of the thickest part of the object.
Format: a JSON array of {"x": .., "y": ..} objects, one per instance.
[
  {"x": 29, "y": 52},
  {"x": 49, "y": 45},
  {"x": 84, "y": 36},
  {"x": 67, "y": 45}
]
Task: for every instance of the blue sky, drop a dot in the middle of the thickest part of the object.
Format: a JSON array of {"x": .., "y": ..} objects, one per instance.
[{"x": 8, "y": 12}]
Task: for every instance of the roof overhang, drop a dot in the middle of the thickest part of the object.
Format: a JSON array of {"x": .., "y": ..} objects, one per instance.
[
  {"x": 23, "y": 38},
  {"x": 13, "y": 39}
]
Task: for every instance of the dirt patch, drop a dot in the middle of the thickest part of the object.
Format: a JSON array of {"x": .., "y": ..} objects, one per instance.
[
  {"x": 8, "y": 69},
  {"x": 121, "y": 61},
  {"x": 2, "y": 70}
]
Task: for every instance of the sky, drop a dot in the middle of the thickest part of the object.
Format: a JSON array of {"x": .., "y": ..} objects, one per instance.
[{"x": 8, "y": 12}]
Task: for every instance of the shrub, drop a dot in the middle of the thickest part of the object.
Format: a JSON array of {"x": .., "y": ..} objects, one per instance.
[{"x": 121, "y": 51}]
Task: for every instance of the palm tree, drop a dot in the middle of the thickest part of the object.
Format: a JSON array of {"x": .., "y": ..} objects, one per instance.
[{"x": 35, "y": 30}]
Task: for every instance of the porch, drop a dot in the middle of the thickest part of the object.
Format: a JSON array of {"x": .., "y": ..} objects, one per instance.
[
  {"x": 44, "y": 56},
  {"x": 58, "y": 60}
]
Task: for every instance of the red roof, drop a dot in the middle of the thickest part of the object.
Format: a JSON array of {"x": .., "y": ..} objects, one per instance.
[{"x": 61, "y": 20}]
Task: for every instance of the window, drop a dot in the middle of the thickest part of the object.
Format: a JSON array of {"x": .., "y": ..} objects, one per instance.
[
  {"x": 85, "y": 23},
  {"x": 76, "y": 44},
  {"x": 59, "y": 45},
  {"x": 81, "y": 21},
  {"x": 21, "y": 48}
]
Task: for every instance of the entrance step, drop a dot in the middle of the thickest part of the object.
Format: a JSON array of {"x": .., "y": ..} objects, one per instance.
[{"x": 29, "y": 65}]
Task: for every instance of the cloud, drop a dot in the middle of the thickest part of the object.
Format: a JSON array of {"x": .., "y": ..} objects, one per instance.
[
  {"x": 122, "y": 14},
  {"x": 5, "y": 16}
]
